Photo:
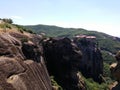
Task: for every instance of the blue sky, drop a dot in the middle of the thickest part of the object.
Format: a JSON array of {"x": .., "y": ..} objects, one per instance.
[{"x": 99, "y": 15}]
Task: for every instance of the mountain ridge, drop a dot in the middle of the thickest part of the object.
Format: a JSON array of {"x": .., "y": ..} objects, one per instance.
[
  {"x": 32, "y": 49},
  {"x": 112, "y": 45},
  {"x": 62, "y": 27}
]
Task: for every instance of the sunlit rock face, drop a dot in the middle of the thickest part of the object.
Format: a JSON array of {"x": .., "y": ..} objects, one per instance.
[
  {"x": 62, "y": 58},
  {"x": 22, "y": 66},
  {"x": 91, "y": 64},
  {"x": 115, "y": 71}
]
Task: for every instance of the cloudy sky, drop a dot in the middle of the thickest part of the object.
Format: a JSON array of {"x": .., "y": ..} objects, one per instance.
[{"x": 98, "y": 15}]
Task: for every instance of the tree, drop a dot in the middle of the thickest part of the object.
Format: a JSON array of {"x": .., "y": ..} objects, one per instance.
[{"x": 7, "y": 20}]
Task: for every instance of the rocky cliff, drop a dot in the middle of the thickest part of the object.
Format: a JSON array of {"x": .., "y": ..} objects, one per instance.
[
  {"x": 24, "y": 57},
  {"x": 62, "y": 58},
  {"x": 21, "y": 62},
  {"x": 115, "y": 71},
  {"x": 91, "y": 64}
]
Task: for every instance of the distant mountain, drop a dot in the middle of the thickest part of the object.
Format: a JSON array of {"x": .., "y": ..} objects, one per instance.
[{"x": 106, "y": 42}]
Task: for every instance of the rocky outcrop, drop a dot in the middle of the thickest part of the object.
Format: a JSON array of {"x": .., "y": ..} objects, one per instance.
[
  {"x": 91, "y": 64},
  {"x": 21, "y": 63},
  {"x": 62, "y": 58},
  {"x": 115, "y": 71}
]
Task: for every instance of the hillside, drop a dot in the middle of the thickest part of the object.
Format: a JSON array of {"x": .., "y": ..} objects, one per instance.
[
  {"x": 24, "y": 62},
  {"x": 80, "y": 60},
  {"x": 22, "y": 66},
  {"x": 109, "y": 44}
]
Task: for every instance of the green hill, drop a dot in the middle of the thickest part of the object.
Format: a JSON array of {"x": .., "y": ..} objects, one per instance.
[{"x": 106, "y": 42}]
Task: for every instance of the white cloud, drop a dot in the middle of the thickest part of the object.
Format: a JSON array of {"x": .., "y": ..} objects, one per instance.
[{"x": 16, "y": 17}]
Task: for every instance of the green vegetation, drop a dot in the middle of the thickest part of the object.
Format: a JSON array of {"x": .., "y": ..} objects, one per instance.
[
  {"x": 109, "y": 44},
  {"x": 7, "y": 20},
  {"x": 22, "y": 29},
  {"x": 108, "y": 57},
  {"x": 5, "y": 26},
  {"x": 107, "y": 74},
  {"x": 92, "y": 85},
  {"x": 55, "y": 84},
  {"x": 106, "y": 42},
  {"x": 54, "y": 31}
]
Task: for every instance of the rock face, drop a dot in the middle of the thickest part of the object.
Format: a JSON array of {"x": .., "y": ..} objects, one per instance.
[
  {"x": 91, "y": 64},
  {"x": 62, "y": 58},
  {"x": 21, "y": 64},
  {"x": 115, "y": 71}
]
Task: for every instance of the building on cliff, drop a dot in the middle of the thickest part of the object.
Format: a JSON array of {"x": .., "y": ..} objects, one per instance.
[{"x": 91, "y": 64}]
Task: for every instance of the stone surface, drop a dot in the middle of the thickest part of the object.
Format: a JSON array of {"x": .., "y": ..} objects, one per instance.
[
  {"x": 115, "y": 71},
  {"x": 91, "y": 64},
  {"x": 21, "y": 63},
  {"x": 62, "y": 58}
]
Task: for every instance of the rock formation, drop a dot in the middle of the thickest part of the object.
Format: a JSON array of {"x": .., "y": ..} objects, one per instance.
[
  {"x": 115, "y": 71},
  {"x": 62, "y": 58},
  {"x": 91, "y": 64},
  {"x": 21, "y": 63}
]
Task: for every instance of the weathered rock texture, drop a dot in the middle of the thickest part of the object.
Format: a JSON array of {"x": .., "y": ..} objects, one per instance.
[
  {"x": 91, "y": 64},
  {"x": 62, "y": 58},
  {"x": 115, "y": 70},
  {"x": 21, "y": 64}
]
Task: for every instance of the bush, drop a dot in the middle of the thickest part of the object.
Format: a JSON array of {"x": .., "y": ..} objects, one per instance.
[
  {"x": 92, "y": 85},
  {"x": 54, "y": 83},
  {"x": 106, "y": 70},
  {"x": 108, "y": 57},
  {"x": 21, "y": 29},
  {"x": 6, "y": 25},
  {"x": 6, "y": 20},
  {"x": 30, "y": 31}
]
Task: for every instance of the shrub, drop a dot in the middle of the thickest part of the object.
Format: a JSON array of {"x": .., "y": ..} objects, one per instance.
[
  {"x": 54, "y": 83},
  {"x": 30, "y": 31},
  {"x": 92, "y": 85},
  {"x": 6, "y": 25},
  {"x": 21, "y": 29},
  {"x": 7, "y": 20}
]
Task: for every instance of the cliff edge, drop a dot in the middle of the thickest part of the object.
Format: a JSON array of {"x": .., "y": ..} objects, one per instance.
[{"x": 21, "y": 62}]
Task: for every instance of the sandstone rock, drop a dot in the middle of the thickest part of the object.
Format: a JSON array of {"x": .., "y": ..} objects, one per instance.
[
  {"x": 115, "y": 71},
  {"x": 21, "y": 64},
  {"x": 10, "y": 46},
  {"x": 115, "y": 67}
]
